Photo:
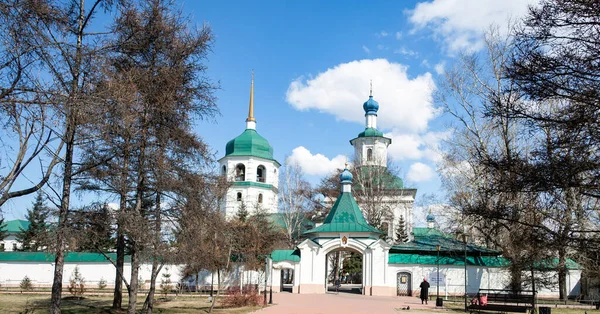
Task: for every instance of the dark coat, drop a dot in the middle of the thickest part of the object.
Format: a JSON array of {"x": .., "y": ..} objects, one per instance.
[{"x": 424, "y": 290}]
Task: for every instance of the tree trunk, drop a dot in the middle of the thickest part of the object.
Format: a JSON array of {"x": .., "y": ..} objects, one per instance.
[
  {"x": 149, "y": 303},
  {"x": 118, "y": 292},
  {"x": 135, "y": 266},
  {"x": 562, "y": 276},
  {"x": 62, "y": 221},
  {"x": 71, "y": 123},
  {"x": 157, "y": 238},
  {"x": 214, "y": 300}
]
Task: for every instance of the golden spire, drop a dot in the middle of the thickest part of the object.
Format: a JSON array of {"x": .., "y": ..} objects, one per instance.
[
  {"x": 251, "y": 107},
  {"x": 371, "y": 90}
]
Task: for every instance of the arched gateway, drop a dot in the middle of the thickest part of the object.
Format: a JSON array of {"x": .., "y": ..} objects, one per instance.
[{"x": 345, "y": 228}]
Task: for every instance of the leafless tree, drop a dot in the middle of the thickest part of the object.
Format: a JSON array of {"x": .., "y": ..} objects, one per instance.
[{"x": 295, "y": 201}]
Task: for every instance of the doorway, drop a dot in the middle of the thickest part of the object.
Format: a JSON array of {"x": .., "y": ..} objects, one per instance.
[{"x": 404, "y": 284}]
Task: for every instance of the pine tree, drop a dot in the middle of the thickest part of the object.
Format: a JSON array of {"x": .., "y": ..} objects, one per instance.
[
  {"x": 35, "y": 237},
  {"x": 242, "y": 213},
  {"x": 401, "y": 235},
  {"x": 3, "y": 231}
]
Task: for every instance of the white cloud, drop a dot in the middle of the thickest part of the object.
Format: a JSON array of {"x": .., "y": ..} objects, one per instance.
[
  {"x": 365, "y": 49},
  {"x": 420, "y": 172},
  {"x": 425, "y": 63},
  {"x": 316, "y": 164},
  {"x": 382, "y": 34},
  {"x": 413, "y": 146},
  {"x": 461, "y": 23},
  {"x": 398, "y": 35},
  {"x": 404, "y": 103},
  {"x": 440, "y": 67},
  {"x": 406, "y": 52}
]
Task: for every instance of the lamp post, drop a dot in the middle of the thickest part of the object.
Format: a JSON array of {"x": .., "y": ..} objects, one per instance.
[
  {"x": 438, "y": 300},
  {"x": 271, "y": 285},
  {"x": 465, "y": 241}
]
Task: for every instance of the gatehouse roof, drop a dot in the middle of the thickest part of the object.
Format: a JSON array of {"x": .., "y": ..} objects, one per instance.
[{"x": 345, "y": 216}]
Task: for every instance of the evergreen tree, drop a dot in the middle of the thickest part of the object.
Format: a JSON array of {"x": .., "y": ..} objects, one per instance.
[
  {"x": 3, "y": 231},
  {"x": 242, "y": 213},
  {"x": 401, "y": 235},
  {"x": 36, "y": 236}
]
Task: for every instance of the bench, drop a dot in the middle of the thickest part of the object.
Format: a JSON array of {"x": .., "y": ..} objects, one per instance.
[{"x": 504, "y": 301}]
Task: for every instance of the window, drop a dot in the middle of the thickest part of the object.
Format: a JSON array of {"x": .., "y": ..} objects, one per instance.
[
  {"x": 261, "y": 174},
  {"x": 240, "y": 172},
  {"x": 224, "y": 170},
  {"x": 1, "y": 247},
  {"x": 239, "y": 196},
  {"x": 14, "y": 246},
  {"x": 260, "y": 198},
  {"x": 369, "y": 154}
]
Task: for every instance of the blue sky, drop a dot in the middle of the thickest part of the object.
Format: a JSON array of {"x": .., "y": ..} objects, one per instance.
[{"x": 313, "y": 61}]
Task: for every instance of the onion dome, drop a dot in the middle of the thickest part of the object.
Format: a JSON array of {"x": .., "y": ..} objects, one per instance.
[
  {"x": 371, "y": 106},
  {"x": 346, "y": 176},
  {"x": 430, "y": 217}
]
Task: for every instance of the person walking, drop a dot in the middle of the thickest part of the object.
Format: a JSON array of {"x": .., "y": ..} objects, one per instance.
[{"x": 424, "y": 290}]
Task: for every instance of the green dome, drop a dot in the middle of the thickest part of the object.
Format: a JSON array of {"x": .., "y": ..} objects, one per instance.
[
  {"x": 249, "y": 143},
  {"x": 370, "y": 132}
]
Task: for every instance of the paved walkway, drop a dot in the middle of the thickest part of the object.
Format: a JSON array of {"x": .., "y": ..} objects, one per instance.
[{"x": 288, "y": 303}]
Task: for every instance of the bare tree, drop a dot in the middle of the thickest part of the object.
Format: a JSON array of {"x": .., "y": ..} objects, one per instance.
[{"x": 295, "y": 201}]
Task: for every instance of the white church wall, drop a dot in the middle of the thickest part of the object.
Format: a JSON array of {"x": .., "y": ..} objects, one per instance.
[{"x": 250, "y": 194}]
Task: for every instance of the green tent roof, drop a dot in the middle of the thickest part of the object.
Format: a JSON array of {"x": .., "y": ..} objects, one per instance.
[
  {"x": 249, "y": 143},
  {"x": 285, "y": 255},
  {"x": 345, "y": 216},
  {"x": 71, "y": 257},
  {"x": 15, "y": 226}
]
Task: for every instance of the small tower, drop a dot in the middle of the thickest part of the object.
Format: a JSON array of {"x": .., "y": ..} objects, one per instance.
[
  {"x": 370, "y": 147},
  {"x": 249, "y": 164},
  {"x": 430, "y": 220}
]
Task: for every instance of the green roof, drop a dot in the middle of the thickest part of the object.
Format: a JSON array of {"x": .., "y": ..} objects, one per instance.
[
  {"x": 249, "y": 143},
  {"x": 15, "y": 226},
  {"x": 257, "y": 184},
  {"x": 379, "y": 177},
  {"x": 279, "y": 220},
  {"x": 370, "y": 132},
  {"x": 345, "y": 216},
  {"x": 404, "y": 258},
  {"x": 71, "y": 257},
  {"x": 426, "y": 241},
  {"x": 285, "y": 255}
]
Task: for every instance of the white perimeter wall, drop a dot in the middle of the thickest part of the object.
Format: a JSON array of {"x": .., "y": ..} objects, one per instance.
[{"x": 477, "y": 278}]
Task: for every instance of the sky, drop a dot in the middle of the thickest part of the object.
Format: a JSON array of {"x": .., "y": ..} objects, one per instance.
[{"x": 313, "y": 62}]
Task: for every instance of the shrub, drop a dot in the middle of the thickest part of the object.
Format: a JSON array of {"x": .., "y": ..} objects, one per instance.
[
  {"x": 26, "y": 284},
  {"x": 101, "y": 284},
  {"x": 165, "y": 283},
  {"x": 141, "y": 283},
  {"x": 76, "y": 283},
  {"x": 234, "y": 297}
]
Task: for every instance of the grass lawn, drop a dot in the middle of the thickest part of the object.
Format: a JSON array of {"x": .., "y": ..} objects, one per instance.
[{"x": 39, "y": 303}]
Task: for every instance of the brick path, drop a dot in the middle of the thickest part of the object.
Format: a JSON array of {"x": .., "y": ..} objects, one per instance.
[{"x": 346, "y": 303}]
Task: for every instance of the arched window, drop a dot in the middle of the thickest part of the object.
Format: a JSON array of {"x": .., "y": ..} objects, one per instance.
[
  {"x": 240, "y": 172},
  {"x": 224, "y": 170},
  {"x": 239, "y": 196},
  {"x": 261, "y": 174},
  {"x": 369, "y": 154},
  {"x": 260, "y": 198}
]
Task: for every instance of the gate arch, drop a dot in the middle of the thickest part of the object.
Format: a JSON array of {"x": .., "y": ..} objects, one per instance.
[{"x": 404, "y": 284}]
